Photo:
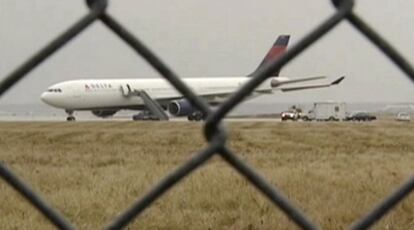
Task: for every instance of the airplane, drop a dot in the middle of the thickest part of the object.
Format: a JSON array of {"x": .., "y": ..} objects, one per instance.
[{"x": 105, "y": 97}]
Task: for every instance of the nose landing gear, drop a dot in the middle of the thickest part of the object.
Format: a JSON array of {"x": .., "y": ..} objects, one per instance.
[{"x": 70, "y": 115}]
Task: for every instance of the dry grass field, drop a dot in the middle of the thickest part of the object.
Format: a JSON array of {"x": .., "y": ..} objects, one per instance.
[{"x": 91, "y": 171}]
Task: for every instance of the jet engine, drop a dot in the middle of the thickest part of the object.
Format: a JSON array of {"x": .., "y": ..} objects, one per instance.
[
  {"x": 181, "y": 107},
  {"x": 104, "y": 113}
]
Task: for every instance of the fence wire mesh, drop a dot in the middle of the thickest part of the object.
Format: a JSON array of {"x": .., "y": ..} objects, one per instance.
[{"x": 213, "y": 129}]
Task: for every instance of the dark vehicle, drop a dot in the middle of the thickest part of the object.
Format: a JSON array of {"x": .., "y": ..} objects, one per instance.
[
  {"x": 145, "y": 116},
  {"x": 361, "y": 116}
]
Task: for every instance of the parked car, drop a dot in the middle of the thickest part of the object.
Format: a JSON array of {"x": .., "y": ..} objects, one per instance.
[
  {"x": 290, "y": 115},
  {"x": 403, "y": 117},
  {"x": 361, "y": 116}
]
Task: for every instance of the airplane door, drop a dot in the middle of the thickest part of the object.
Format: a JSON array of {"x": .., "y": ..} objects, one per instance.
[{"x": 126, "y": 90}]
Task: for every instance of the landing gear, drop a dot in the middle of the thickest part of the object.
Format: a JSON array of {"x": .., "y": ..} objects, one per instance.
[
  {"x": 196, "y": 116},
  {"x": 70, "y": 115}
]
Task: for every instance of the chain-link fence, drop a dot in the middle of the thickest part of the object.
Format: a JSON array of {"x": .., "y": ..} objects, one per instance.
[{"x": 213, "y": 130}]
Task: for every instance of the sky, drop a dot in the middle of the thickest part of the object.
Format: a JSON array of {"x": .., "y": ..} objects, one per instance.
[{"x": 200, "y": 38}]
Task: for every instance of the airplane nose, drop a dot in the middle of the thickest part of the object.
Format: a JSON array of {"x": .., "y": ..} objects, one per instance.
[{"x": 45, "y": 97}]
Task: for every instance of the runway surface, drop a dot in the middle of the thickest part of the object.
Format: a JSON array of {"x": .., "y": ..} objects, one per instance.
[{"x": 119, "y": 119}]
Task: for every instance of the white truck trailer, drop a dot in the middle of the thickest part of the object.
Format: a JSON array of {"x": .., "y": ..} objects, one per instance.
[{"x": 326, "y": 111}]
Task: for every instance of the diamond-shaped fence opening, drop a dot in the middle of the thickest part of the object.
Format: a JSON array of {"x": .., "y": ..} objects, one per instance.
[{"x": 213, "y": 130}]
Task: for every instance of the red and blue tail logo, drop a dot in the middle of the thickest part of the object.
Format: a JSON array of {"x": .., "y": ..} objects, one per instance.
[{"x": 278, "y": 48}]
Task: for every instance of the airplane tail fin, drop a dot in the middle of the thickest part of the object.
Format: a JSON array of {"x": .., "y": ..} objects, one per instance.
[{"x": 278, "y": 48}]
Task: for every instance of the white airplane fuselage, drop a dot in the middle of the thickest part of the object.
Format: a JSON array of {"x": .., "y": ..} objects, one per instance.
[
  {"x": 104, "y": 97},
  {"x": 111, "y": 93}
]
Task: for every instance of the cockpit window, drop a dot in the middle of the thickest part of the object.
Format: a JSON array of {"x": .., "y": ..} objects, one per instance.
[{"x": 57, "y": 90}]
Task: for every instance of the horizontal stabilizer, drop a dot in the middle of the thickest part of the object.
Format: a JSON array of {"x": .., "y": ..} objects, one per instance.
[{"x": 336, "y": 82}]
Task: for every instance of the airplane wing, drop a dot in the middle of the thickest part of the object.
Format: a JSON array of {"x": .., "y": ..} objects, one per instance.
[
  {"x": 278, "y": 81},
  {"x": 275, "y": 84},
  {"x": 337, "y": 81}
]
